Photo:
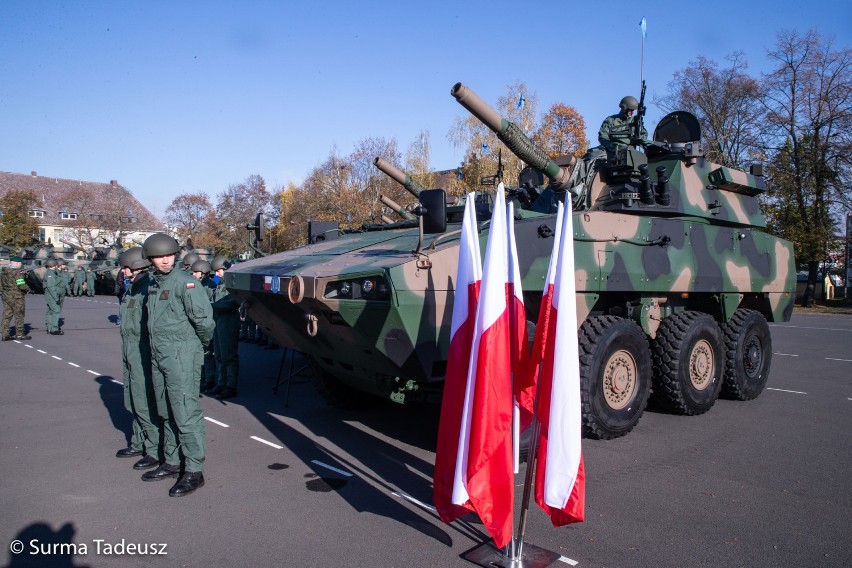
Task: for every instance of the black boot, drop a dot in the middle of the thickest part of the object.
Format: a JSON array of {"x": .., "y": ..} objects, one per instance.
[
  {"x": 189, "y": 482},
  {"x": 165, "y": 470},
  {"x": 147, "y": 462}
]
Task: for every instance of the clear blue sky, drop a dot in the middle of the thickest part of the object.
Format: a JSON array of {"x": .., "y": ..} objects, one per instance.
[{"x": 175, "y": 97}]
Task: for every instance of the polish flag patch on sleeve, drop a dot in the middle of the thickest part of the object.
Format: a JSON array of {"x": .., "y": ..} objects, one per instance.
[{"x": 190, "y": 284}]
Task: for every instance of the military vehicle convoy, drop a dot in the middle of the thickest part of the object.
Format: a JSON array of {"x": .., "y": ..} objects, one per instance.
[{"x": 675, "y": 278}]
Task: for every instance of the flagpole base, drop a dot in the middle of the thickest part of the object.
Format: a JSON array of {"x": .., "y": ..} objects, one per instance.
[{"x": 532, "y": 556}]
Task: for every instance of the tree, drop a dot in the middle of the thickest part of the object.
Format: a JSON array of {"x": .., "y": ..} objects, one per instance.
[
  {"x": 188, "y": 215},
  {"x": 237, "y": 207},
  {"x": 562, "y": 132},
  {"x": 726, "y": 103},
  {"x": 808, "y": 102},
  {"x": 17, "y": 229}
]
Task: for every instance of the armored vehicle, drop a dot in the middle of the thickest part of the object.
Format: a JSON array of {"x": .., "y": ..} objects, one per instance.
[{"x": 675, "y": 278}]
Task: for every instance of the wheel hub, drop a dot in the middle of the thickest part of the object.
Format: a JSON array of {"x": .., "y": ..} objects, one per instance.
[
  {"x": 619, "y": 380},
  {"x": 701, "y": 365},
  {"x": 752, "y": 356}
]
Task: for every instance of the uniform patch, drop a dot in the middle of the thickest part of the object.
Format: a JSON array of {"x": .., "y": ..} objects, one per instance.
[
  {"x": 164, "y": 295},
  {"x": 190, "y": 284}
]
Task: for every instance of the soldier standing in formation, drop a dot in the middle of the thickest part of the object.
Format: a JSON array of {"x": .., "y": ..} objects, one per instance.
[
  {"x": 226, "y": 338},
  {"x": 180, "y": 323},
  {"x": 618, "y": 129},
  {"x": 79, "y": 280},
  {"x": 139, "y": 396},
  {"x": 90, "y": 282},
  {"x": 14, "y": 291},
  {"x": 201, "y": 271},
  {"x": 53, "y": 281}
]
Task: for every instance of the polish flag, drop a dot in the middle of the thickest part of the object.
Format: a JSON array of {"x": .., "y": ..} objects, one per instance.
[
  {"x": 483, "y": 476},
  {"x": 524, "y": 391},
  {"x": 468, "y": 277},
  {"x": 560, "y": 475}
]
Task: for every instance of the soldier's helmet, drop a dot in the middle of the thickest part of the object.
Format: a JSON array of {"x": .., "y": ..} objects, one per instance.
[
  {"x": 220, "y": 261},
  {"x": 628, "y": 103},
  {"x": 201, "y": 266},
  {"x": 159, "y": 244},
  {"x": 189, "y": 259},
  {"x": 133, "y": 259},
  {"x": 51, "y": 262}
]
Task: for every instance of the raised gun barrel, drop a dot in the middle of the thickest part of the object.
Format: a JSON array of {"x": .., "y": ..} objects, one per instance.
[
  {"x": 513, "y": 137},
  {"x": 399, "y": 176},
  {"x": 76, "y": 247},
  {"x": 390, "y": 203}
]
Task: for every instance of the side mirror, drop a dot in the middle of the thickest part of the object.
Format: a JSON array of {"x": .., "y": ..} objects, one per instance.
[{"x": 433, "y": 210}]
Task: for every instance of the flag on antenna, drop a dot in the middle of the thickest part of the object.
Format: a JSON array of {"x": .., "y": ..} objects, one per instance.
[
  {"x": 521, "y": 102},
  {"x": 643, "y": 25}
]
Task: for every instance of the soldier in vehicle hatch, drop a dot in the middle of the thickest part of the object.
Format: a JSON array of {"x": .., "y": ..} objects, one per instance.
[
  {"x": 618, "y": 129},
  {"x": 180, "y": 324}
]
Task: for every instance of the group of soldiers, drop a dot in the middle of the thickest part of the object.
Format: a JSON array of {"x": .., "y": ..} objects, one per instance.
[{"x": 179, "y": 333}]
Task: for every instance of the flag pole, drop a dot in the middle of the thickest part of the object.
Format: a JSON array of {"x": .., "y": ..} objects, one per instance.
[
  {"x": 643, "y": 27},
  {"x": 528, "y": 480}
]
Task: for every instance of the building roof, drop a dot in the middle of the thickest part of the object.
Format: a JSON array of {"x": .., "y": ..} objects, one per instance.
[{"x": 100, "y": 204}]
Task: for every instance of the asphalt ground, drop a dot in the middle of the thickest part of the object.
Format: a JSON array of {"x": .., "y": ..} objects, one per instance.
[{"x": 758, "y": 483}]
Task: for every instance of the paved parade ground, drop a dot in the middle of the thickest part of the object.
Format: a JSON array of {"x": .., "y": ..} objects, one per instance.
[{"x": 758, "y": 483}]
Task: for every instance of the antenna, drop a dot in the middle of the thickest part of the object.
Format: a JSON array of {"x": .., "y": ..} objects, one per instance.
[{"x": 643, "y": 27}]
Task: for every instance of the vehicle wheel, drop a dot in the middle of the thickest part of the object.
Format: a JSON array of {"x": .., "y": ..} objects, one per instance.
[
  {"x": 688, "y": 363},
  {"x": 749, "y": 355},
  {"x": 615, "y": 376},
  {"x": 337, "y": 393}
]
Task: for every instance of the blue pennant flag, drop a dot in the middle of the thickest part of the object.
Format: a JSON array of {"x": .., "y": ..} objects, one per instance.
[
  {"x": 521, "y": 102},
  {"x": 484, "y": 147},
  {"x": 460, "y": 173},
  {"x": 643, "y": 25}
]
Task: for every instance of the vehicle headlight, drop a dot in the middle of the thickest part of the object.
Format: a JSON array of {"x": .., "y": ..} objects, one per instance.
[{"x": 372, "y": 288}]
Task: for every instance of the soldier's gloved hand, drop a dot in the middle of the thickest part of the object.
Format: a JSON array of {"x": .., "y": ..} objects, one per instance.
[{"x": 638, "y": 142}]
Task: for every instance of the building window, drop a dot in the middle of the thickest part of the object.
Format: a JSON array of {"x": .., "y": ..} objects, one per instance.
[
  {"x": 67, "y": 216},
  {"x": 42, "y": 234},
  {"x": 35, "y": 213},
  {"x": 96, "y": 217}
]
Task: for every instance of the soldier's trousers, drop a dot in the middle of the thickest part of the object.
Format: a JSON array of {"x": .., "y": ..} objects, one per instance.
[
  {"x": 209, "y": 372},
  {"x": 54, "y": 310},
  {"x": 139, "y": 397},
  {"x": 225, "y": 347},
  {"x": 13, "y": 307},
  {"x": 176, "y": 373}
]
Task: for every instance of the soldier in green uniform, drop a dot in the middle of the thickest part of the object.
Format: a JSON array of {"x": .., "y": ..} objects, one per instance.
[
  {"x": 188, "y": 260},
  {"x": 65, "y": 287},
  {"x": 201, "y": 271},
  {"x": 226, "y": 338},
  {"x": 79, "y": 280},
  {"x": 180, "y": 323},
  {"x": 90, "y": 282},
  {"x": 52, "y": 284},
  {"x": 139, "y": 399},
  {"x": 14, "y": 291},
  {"x": 617, "y": 130}
]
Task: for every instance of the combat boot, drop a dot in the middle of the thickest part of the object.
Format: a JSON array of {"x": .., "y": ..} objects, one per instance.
[
  {"x": 227, "y": 392},
  {"x": 162, "y": 472},
  {"x": 22, "y": 337},
  {"x": 7, "y": 338},
  {"x": 189, "y": 482}
]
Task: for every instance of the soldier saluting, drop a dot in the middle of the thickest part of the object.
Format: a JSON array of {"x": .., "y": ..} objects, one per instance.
[
  {"x": 14, "y": 290},
  {"x": 180, "y": 323}
]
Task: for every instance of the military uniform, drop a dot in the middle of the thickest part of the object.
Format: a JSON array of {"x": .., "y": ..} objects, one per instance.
[
  {"x": 616, "y": 130},
  {"x": 139, "y": 398},
  {"x": 79, "y": 280},
  {"x": 180, "y": 323},
  {"x": 53, "y": 282},
  {"x": 90, "y": 282},
  {"x": 14, "y": 290},
  {"x": 226, "y": 338}
]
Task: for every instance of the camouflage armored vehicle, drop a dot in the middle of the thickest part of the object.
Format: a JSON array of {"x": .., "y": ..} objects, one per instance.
[
  {"x": 675, "y": 281},
  {"x": 104, "y": 263}
]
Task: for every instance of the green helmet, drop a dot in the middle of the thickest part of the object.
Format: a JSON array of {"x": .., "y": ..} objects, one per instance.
[
  {"x": 51, "y": 262},
  {"x": 220, "y": 261},
  {"x": 133, "y": 259},
  {"x": 159, "y": 244},
  {"x": 628, "y": 103},
  {"x": 189, "y": 259},
  {"x": 201, "y": 266}
]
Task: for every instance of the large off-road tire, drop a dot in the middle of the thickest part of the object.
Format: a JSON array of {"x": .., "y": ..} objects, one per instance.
[
  {"x": 749, "y": 355},
  {"x": 689, "y": 363},
  {"x": 337, "y": 393},
  {"x": 615, "y": 376}
]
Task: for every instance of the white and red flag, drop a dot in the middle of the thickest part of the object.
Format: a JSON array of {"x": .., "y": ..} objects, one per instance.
[
  {"x": 524, "y": 391},
  {"x": 484, "y": 480},
  {"x": 560, "y": 474},
  {"x": 468, "y": 277}
]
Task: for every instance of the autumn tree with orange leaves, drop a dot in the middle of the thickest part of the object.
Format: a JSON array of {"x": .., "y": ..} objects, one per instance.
[{"x": 562, "y": 132}]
